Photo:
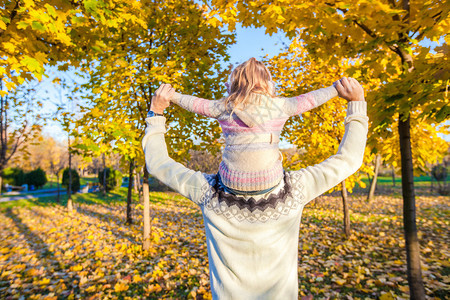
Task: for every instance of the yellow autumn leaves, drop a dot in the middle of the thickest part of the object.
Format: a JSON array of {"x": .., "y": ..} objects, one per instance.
[{"x": 92, "y": 254}]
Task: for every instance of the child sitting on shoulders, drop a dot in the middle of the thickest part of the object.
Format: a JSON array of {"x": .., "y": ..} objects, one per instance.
[{"x": 251, "y": 118}]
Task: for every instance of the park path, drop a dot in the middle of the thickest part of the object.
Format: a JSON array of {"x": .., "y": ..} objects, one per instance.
[
  {"x": 30, "y": 196},
  {"x": 38, "y": 194}
]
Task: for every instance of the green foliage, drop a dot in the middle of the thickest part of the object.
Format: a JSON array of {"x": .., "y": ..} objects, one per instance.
[
  {"x": 37, "y": 178},
  {"x": 75, "y": 180},
  {"x": 113, "y": 179},
  {"x": 13, "y": 176}
]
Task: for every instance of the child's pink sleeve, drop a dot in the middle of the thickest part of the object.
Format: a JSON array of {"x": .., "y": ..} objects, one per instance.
[
  {"x": 204, "y": 107},
  {"x": 297, "y": 105}
]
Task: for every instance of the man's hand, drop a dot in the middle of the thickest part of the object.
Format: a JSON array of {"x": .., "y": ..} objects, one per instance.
[
  {"x": 161, "y": 99},
  {"x": 349, "y": 89}
]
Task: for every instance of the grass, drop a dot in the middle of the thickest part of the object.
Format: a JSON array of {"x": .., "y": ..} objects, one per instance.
[
  {"x": 52, "y": 184},
  {"x": 387, "y": 180},
  {"x": 112, "y": 198}
]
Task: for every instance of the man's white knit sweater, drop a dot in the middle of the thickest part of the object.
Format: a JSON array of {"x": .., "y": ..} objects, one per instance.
[{"x": 253, "y": 240}]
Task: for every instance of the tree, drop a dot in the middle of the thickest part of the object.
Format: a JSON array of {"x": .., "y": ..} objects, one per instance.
[
  {"x": 345, "y": 206},
  {"x": 317, "y": 133},
  {"x": 13, "y": 176},
  {"x": 373, "y": 184},
  {"x": 19, "y": 122},
  {"x": 204, "y": 161},
  {"x": 439, "y": 173},
  {"x": 130, "y": 192},
  {"x": 172, "y": 42},
  {"x": 73, "y": 184},
  {"x": 57, "y": 160},
  {"x": 110, "y": 179},
  {"x": 38, "y": 34},
  {"x": 389, "y": 37},
  {"x": 36, "y": 178}
]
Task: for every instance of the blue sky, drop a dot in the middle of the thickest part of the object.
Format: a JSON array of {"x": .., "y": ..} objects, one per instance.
[{"x": 253, "y": 42}]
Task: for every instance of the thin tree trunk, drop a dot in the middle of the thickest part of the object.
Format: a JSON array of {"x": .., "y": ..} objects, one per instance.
[
  {"x": 393, "y": 176},
  {"x": 369, "y": 179},
  {"x": 345, "y": 206},
  {"x": 431, "y": 181},
  {"x": 104, "y": 176},
  {"x": 57, "y": 188},
  {"x": 439, "y": 187},
  {"x": 373, "y": 185},
  {"x": 69, "y": 188},
  {"x": 140, "y": 190},
  {"x": 147, "y": 221},
  {"x": 130, "y": 192},
  {"x": 415, "y": 282},
  {"x": 135, "y": 181},
  {"x": 1, "y": 181}
]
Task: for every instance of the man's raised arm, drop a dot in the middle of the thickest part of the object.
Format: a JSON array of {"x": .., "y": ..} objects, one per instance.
[
  {"x": 348, "y": 159},
  {"x": 183, "y": 180}
]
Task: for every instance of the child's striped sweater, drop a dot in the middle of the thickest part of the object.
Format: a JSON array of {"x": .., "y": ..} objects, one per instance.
[{"x": 251, "y": 160}]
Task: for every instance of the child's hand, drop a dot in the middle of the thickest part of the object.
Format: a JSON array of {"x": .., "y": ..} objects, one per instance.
[
  {"x": 161, "y": 99},
  {"x": 349, "y": 89}
]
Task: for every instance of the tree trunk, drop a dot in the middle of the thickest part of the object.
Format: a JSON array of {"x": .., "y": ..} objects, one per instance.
[
  {"x": 415, "y": 282},
  {"x": 130, "y": 192},
  {"x": 431, "y": 181},
  {"x": 1, "y": 181},
  {"x": 393, "y": 176},
  {"x": 104, "y": 176},
  {"x": 373, "y": 184},
  {"x": 140, "y": 191},
  {"x": 345, "y": 206},
  {"x": 69, "y": 188},
  {"x": 147, "y": 222},
  {"x": 57, "y": 188},
  {"x": 135, "y": 181}
]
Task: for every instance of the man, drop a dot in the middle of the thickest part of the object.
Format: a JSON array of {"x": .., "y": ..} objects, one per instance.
[{"x": 253, "y": 240}]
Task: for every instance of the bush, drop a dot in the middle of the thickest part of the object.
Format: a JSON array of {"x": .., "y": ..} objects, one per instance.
[
  {"x": 75, "y": 180},
  {"x": 37, "y": 178},
  {"x": 113, "y": 179},
  {"x": 439, "y": 173},
  {"x": 13, "y": 176}
]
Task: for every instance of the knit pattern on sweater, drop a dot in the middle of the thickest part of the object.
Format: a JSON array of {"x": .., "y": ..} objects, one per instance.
[{"x": 247, "y": 208}]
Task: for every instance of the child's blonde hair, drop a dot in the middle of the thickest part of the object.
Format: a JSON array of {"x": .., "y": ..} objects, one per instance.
[{"x": 247, "y": 78}]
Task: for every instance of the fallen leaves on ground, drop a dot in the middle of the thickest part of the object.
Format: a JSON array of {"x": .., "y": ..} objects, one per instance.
[{"x": 47, "y": 253}]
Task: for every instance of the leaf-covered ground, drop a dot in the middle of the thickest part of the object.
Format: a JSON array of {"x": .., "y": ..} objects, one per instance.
[{"x": 46, "y": 253}]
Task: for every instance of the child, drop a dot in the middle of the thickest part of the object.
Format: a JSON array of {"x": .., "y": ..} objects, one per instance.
[{"x": 251, "y": 118}]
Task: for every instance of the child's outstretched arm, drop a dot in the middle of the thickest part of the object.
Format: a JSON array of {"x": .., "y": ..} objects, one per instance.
[
  {"x": 204, "y": 107},
  {"x": 299, "y": 104},
  {"x": 187, "y": 182}
]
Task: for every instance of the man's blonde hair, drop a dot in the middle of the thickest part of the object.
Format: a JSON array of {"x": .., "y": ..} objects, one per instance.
[{"x": 249, "y": 77}]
